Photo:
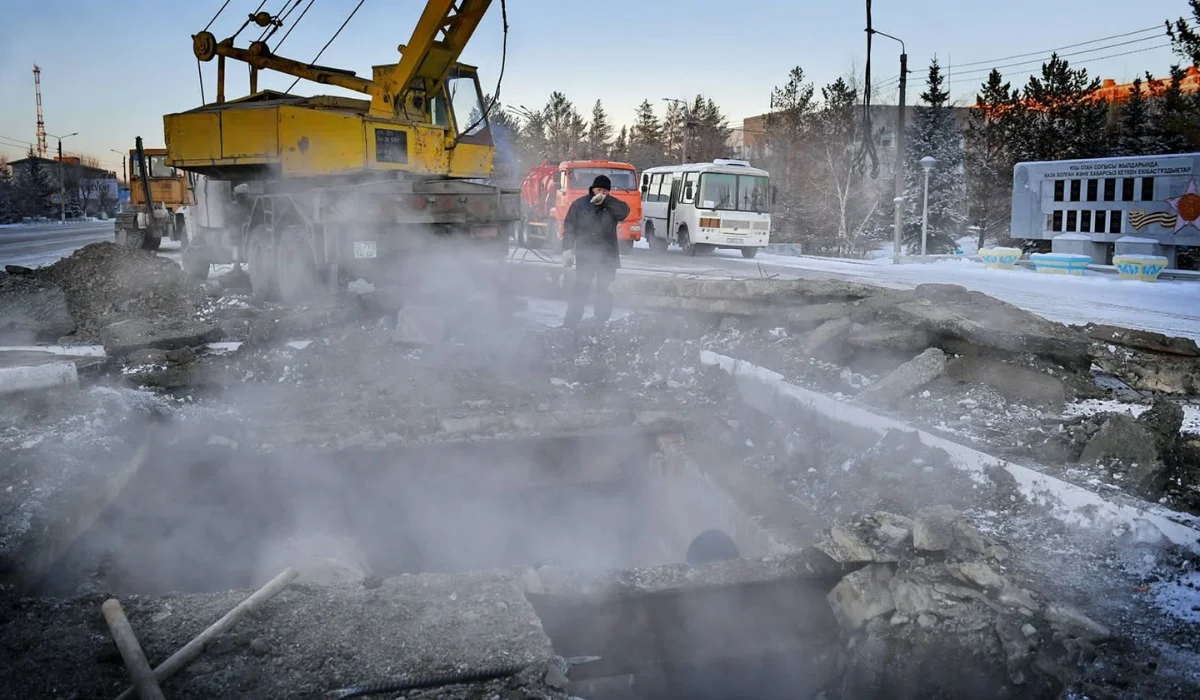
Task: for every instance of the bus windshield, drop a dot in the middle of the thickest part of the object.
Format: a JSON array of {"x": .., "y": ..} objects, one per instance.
[
  {"x": 581, "y": 178},
  {"x": 735, "y": 192}
]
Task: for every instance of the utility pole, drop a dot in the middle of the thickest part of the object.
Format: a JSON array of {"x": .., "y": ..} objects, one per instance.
[{"x": 62, "y": 183}]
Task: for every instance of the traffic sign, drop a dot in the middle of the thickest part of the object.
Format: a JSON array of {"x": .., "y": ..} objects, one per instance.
[{"x": 56, "y": 199}]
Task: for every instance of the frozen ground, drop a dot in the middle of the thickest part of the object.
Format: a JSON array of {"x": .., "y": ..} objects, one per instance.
[{"x": 1169, "y": 307}]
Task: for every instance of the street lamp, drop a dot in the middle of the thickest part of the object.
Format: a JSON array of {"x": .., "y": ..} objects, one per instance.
[
  {"x": 62, "y": 195},
  {"x": 123, "y": 173},
  {"x": 687, "y": 126},
  {"x": 927, "y": 163}
]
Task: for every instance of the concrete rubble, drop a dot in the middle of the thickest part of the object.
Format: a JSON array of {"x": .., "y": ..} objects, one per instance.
[{"x": 911, "y": 575}]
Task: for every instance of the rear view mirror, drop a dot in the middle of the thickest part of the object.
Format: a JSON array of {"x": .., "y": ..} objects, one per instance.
[
  {"x": 687, "y": 191},
  {"x": 645, "y": 188}
]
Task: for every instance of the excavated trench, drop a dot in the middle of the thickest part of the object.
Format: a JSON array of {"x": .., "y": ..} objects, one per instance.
[{"x": 201, "y": 516}]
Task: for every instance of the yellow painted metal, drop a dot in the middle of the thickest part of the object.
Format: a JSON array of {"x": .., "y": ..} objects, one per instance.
[
  {"x": 172, "y": 192},
  {"x": 289, "y": 136}
]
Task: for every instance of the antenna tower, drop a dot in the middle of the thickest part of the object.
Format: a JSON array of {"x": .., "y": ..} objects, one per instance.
[{"x": 41, "y": 123}]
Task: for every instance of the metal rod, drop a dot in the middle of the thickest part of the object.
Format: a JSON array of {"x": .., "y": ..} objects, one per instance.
[
  {"x": 192, "y": 650},
  {"x": 925, "y": 214},
  {"x": 898, "y": 173},
  {"x": 131, "y": 652}
]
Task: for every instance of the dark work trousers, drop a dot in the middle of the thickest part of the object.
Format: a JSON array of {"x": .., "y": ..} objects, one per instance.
[{"x": 589, "y": 268}]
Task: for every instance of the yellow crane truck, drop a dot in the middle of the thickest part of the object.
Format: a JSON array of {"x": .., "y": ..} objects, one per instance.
[{"x": 330, "y": 189}]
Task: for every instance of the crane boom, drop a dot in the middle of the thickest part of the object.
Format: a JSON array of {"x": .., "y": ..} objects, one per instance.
[{"x": 438, "y": 40}]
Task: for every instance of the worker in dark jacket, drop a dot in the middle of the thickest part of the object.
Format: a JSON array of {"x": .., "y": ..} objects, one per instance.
[{"x": 590, "y": 242}]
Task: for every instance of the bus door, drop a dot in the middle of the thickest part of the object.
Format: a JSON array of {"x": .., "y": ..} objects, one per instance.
[{"x": 676, "y": 185}]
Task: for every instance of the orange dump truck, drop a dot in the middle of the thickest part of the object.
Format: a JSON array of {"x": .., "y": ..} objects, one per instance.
[{"x": 548, "y": 190}]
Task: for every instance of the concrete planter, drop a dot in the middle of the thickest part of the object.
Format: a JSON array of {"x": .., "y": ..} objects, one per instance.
[
  {"x": 1140, "y": 267},
  {"x": 1000, "y": 258},
  {"x": 1060, "y": 263}
]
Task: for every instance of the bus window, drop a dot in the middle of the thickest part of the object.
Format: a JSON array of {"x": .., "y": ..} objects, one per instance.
[
  {"x": 688, "y": 195},
  {"x": 718, "y": 191},
  {"x": 664, "y": 187}
]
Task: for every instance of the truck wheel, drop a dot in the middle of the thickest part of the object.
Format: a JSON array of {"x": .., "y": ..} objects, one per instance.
[
  {"x": 260, "y": 256},
  {"x": 296, "y": 277},
  {"x": 749, "y": 252}
]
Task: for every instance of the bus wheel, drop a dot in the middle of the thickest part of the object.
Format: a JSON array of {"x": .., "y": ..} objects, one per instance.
[
  {"x": 685, "y": 242},
  {"x": 749, "y": 252}
]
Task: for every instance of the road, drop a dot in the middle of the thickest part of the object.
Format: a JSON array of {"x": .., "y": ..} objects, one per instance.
[
  {"x": 39, "y": 245},
  {"x": 1170, "y": 307}
]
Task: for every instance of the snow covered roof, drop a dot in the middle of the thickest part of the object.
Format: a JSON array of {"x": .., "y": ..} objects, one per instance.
[{"x": 1135, "y": 239}]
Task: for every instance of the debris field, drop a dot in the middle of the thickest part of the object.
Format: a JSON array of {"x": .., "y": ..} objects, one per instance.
[{"x": 509, "y": 506}]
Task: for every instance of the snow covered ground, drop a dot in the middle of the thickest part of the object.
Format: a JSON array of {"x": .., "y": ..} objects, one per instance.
[{"x": 1169, "y": 306}]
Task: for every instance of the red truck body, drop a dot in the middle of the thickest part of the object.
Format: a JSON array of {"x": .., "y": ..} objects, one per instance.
[{"x": 548, "y": 190}]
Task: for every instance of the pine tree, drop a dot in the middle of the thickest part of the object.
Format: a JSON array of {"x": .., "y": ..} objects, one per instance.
[
  {"x": 8, "y": 203},
  {"x": 988, "y": 159},
  {"x": 1061, "y": 118},
  {"x": 783, "y": 150},
  {"x": 710, "y": 131},
  {"x": 506, "y": 135},
  {"x": 935, "y": 133},
  {"x": 676, "y": 127},
  {"x": 1133, "y": 136},
  {"x": 33, "y": 189},
  {"x": 620, "y": 147},
  {"x": 565, "y": 129},
  {"x": 1174, "y": 122},
  {"x": 599, "y": 133},
  {"x": 1184, "y": 39},
  {"x": 534, "y": 144},
  {"x": 645, "y": 138}
]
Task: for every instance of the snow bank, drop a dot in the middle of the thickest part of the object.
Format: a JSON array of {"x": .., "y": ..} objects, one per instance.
[{"x": 766, "y": 391}]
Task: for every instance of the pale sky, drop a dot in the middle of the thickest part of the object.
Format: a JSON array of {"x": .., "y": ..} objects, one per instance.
[{"x": 110, "y": 70}]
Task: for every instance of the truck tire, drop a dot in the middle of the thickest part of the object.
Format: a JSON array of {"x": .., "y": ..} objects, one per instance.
[
  {"x": 296, "y": 278},
  {"x": 749, "y": 252},
  {"x": 260, "y": 256}
]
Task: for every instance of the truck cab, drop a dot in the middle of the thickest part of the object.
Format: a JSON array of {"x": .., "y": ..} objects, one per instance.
[{"x": 575, "y": 178}]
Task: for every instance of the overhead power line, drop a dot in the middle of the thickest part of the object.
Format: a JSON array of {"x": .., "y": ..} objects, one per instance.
[
  {"x": 992, "y": 63},
  {"x": 1086, "y": 60},
  {"x": 335, "y": 35}
]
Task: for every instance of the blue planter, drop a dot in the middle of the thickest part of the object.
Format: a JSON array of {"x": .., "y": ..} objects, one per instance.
[{"x": 1060, "y": 263}]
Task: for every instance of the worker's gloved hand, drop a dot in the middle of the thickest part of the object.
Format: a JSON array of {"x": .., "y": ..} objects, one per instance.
[
  {"x": 568, "y": 257},
  {"x": 598, "y": 199}
]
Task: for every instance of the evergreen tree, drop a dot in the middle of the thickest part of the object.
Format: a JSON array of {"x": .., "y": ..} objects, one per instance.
[
  {"x": 1174, "y": 126},
  {"x": 1061, "y": 117},
  {"x": 987, "y": 158},
  {"x": 8, "y": 201},
  {"x": 675, "y": 130},
  {"x": 532, "y": 137},
  {"x": 33, "y": 189},
  {"x": 507, "y": 167},
  {"x": 599, "y": 133},
  {"x": 1184, "y": 39},
  {"x": 565, "y": 129},
  {"x": 1133, "y": 137},
  {"x": 620, "y": 147},
  {"x": 935, "y": 133},
  {"x": 709, "y": 133},
  {"x": 783, "y": 148},
  {"x": 645, "y": 138}
]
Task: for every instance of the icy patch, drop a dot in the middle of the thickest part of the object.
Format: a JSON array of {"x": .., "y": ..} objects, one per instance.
[
  {"x": 1179, "y": 598},
  {"x": 1091, "y": 407}
]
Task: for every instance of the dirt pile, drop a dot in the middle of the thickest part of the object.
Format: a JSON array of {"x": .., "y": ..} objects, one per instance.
[
  {"x": 105, "y": 283},
  {"x": 32, "y": 311}
]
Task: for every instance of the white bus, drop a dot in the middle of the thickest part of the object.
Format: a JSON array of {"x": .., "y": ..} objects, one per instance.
[{"x": 704, "y": 206}]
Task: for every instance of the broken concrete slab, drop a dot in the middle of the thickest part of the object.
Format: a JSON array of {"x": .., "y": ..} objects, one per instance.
[
  {"x": 770, "y": 393},
  {"x": 1144, "y": 340},
  {"x": 906, "y": 379},
  {"x": 890, "y": 336},
  {"x": 134, "y": 334},
  {"x": 810, "y": 291},
  {"x": 1074, "y": 622},
  {"x": 1014, "y": 383},
  {"x": 419, "y": 325},
  {"x": 1145, "y": 371},
  {"x": 32, "y": 311},
  {"x": 1124, "y": 439},
  {"x": 971, "y": 321},
  {"x": 933, "y": 528},
  {"x": 862, "y": 596},
  {"x": 40, "y": 377},
  {"x": 881, "y": 538},
  {"x": 826, "y": 341},
  {"x": 395, "y": 628}
]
